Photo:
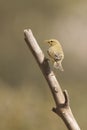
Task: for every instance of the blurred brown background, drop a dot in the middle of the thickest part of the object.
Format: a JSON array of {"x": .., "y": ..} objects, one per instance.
[{"x": 25, "y": 99}]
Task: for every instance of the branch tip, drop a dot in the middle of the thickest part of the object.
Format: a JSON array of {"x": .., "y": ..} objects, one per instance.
[
  {"x": 27, "y": 33},
  {"x": 27, "y": 30}
]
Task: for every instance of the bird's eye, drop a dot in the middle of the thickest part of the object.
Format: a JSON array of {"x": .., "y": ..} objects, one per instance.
[{"x": 51, "y": 41}]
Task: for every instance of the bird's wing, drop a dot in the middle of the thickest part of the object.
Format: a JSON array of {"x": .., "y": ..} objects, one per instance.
[
  {"x": 57, "y": 56},
  {"x": 54, "y": 55}
]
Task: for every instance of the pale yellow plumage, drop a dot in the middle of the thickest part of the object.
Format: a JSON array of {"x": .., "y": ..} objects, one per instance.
[{"x": 55, "y": 52}]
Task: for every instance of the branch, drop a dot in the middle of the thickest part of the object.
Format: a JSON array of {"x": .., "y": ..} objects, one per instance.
[{"x": 61, "y": 99}]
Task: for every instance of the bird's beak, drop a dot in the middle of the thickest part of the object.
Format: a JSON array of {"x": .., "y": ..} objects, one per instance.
[{"x": 46, "y": 41}]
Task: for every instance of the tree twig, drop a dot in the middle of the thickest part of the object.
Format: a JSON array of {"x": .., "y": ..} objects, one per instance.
[{"x": 61, "y": 99}]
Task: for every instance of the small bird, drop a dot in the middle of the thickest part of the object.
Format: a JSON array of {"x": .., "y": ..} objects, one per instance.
[{"x": 56, "y": 54}]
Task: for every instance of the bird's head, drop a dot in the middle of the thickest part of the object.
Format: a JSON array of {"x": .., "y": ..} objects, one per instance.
[{"x": 51, "y": 42}]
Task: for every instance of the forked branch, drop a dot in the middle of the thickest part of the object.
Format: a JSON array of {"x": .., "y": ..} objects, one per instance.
[{"x": 61, "y": 98}]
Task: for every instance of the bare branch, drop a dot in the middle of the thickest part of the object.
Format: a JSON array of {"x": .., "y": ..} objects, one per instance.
[{"x": 61, "y": 98}]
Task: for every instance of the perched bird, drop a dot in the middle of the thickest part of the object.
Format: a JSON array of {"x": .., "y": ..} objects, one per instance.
[{"x": 56, "y": 54}]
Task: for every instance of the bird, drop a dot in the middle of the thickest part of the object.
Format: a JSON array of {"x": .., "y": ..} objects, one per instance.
[{"x": 55, "y": 53}]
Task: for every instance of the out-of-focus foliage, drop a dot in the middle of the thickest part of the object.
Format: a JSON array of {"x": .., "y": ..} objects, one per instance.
[{"x": 25, "y": 99}]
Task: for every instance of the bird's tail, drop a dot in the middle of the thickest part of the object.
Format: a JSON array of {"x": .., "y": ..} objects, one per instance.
[{"x": 58, "y": 65}]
